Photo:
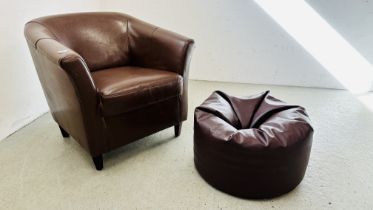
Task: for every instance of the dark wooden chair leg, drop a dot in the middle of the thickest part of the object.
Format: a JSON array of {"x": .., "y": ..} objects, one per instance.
[
  {"x": 64, "y": 133},
  {"x": 98, "y": 161},
  {"x": 177, "y": 129}
]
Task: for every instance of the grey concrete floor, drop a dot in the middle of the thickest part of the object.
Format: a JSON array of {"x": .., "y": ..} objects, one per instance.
[{"x": 41, "y": 170}]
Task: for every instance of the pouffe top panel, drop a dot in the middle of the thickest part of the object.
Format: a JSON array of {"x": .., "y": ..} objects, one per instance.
[{"x": 258, "y": 121}]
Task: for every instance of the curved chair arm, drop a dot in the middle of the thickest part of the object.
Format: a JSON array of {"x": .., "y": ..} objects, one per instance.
[
  {"x": 73, "y": 64},
  {"x": 154, "y": 47},
  {"x": 75, "y": 67}
]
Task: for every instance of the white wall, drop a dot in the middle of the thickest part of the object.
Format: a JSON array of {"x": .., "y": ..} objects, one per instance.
[
  {"x": 238, "y": 42},
  {"x": 21, "y": 96},
  {"x": 352, "y": 19}
]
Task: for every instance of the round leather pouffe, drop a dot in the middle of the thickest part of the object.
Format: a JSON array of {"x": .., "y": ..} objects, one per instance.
[{"x": 254, "y": 147}]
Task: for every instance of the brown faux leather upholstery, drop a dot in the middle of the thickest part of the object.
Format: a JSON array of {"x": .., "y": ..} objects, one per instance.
[
  {"x": 124, "y": 89},
  {"x": 110, "y": 78},
  {"x": 254, "y": 147}
]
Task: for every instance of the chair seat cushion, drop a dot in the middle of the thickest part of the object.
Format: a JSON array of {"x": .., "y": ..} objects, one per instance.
[{"x": 124, "y": 89}]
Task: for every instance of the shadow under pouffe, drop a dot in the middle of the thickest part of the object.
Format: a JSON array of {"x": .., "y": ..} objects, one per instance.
[{"x": 254, "y": 147}]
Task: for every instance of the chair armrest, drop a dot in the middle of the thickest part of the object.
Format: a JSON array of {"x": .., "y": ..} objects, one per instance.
[
  {"x": 154, "y": 47},
  {"x": 72, "y": 63},
  {"x": 74, "y": 66}
]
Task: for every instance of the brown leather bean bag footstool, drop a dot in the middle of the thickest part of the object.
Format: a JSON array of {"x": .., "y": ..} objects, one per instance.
[{"x": 255, "y": 147}]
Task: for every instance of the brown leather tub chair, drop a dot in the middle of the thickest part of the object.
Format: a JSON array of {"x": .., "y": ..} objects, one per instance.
[{"x": 110, "y": 78}]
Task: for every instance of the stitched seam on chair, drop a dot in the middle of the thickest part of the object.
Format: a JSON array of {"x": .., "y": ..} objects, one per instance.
[
  {"x": 168, "y": 81},
  {"x": 128, "y": 40},
  {"x": 34, "y": 21},
  {"x": 138, "y": 107},
  {"x": 36, "y": 42},
  {"x": 50, "y": 58},
  {"x": 185, "y": 50},
  {"x": 129, "y": 93},
  {"x": 154, "y": 30}
]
